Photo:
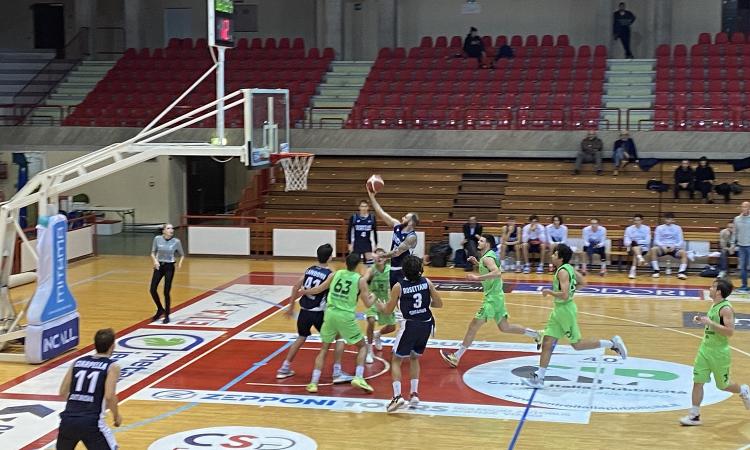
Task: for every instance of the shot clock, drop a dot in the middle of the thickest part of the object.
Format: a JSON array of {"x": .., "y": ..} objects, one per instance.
[{"x": 221, "y": 23}]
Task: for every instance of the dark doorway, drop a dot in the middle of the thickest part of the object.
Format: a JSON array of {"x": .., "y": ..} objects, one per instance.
[
  {"x": 49, "y": 25},
  {"x": 205, "y": 184}
]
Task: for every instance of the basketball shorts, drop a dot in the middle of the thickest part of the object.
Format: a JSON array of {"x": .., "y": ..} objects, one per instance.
[
  {"x": 396, "y": 276},
  {"x": 715, "y": 362},
  {"x": 674, "y": 253},
  {"x": 563, "y": 322},
  {"x": 362, "y": 247},
  {"x": 307, "y": 320},
  {"x": 382, "y": 319},
  {"x": 595, "y": 251},
  {"x": 412, "y": 338},
  {"x": 492, "y": 309},
  {"x": 535, "y": 246},
  {"x": 94, "y": 434},
  {"x": 340, "y": 323}
]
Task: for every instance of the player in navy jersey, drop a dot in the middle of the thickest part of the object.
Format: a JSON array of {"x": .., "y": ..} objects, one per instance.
[
  {"x": 414, "y": 295},
  {"x": 312, "y": 309},
  {"x": 89, "y": 390},
  {"x": 362, "y": 229},
  {"x": 404, "y": 237}
]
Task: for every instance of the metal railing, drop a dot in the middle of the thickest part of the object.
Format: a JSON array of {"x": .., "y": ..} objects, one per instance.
[{"x": 49, "y": 77}]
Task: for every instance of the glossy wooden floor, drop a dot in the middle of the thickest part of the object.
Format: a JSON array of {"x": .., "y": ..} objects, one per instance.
[{"x": 112, "y": 292}]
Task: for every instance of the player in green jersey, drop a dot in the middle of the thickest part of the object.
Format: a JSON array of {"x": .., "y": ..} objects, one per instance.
[
  {"x": 340, "y": 319},
  {"x": 714, "y": 354},
  {"x": 563, "y": 320},
  {"x": 378, "y": 279},
  {"x": 493, "y": 306}
]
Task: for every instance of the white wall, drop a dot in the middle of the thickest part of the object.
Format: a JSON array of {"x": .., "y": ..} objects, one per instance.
[{"x": 691, "y": 17}]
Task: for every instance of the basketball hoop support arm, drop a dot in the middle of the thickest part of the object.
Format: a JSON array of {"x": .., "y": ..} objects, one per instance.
[{"x": 220, "y": 94}]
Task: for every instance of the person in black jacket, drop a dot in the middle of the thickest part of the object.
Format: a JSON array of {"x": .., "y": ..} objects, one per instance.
[
  {"x": 684, "y": 179},
  {"x": 621, "y": 23},
  {"x": 472, "y": 233},
  {"x": 473, "y": 45},
  {"x": 624, "y": 152},
  {"x": 704, "y": 179}
]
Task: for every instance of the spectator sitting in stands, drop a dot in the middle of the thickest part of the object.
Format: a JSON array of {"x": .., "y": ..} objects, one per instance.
[
  {"x": 557, "y": 233},
  {"x": 511, "y": 236},
  {"x": 473, "y": 46},
  {"x": 534, "y": 240},
  {"x": 705, "y": 179},
  {"x": 669, "y": 241},
  {"x": 727, "y": 248},
  {"x": 594, "y": 242},
  {"x": 637, "y": 240},
  {"x": 623, "y": 152},
  {"x": 684, "y": 179},
  {"x": 472, "y": 233},
  {"x": 591, "y": 151}
]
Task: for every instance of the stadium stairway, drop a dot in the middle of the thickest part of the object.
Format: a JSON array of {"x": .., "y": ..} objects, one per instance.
[
  {"x": 71, "y": 92},
  {"x": 17, "y": 68},
  {"x": 480, "y": 194},
  {"x": 337, "y": 94},
  {"x": 629, "y": 83}
]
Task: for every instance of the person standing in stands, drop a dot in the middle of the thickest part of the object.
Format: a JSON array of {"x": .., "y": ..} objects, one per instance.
[
  {"x": 621, "y": 23},
  {"x": 741, "y": 240},
  {"x": 473, "y": 46},
  {"x": 704, "y": 179},
  {"x": 684, "y": 179},
  {"x": 164, "y": 252}
]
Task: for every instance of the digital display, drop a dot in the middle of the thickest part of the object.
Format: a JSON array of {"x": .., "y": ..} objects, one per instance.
[{"x": 221, "y": 23}]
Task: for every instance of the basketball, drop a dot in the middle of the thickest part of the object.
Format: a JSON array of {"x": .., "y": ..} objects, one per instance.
[{"x": 375, "y": 184}]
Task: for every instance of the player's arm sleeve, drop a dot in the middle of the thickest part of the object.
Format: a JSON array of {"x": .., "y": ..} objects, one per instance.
[
  {"x": 153, "y": 246},
  {"x": 65, "y": 385},
  {"x": 437, "y": 301}
]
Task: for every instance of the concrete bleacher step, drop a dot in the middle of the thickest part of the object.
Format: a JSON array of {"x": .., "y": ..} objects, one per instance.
[
  {"x": 338, "y": 93},
  {"x": 629, "y": 84}
]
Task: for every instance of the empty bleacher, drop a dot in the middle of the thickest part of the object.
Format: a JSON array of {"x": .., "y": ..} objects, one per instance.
[
  {"x": 144, "y": 82},
  {"x": 703, "y": 88},
  {"x": 547, "y": 85}
]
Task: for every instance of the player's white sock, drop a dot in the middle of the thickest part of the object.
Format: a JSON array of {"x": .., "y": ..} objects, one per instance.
[
  {"x": 606, "y": 343},
  {"x": 461, "y": 350},
  {"x": 359, "y": 371},
  {"x": 744, "y": 390},
  {"x": 369, "y": 347},
  {"x": 655, "y": 264},
  {"x": 415, "y": 385},
  {"x": 336, "y": 369},
  {"x": 695, "y": 411},
  {"x": 285, "y": 365},
  {"x": 396, "y": 388},
  {"x": 530, "y": 333},
  {"x": 315, "y": 376},
  {"x": 604, "y": 265},
  {"x": 683, "y": 267},
  {"x": 540, "y": 373},
  {"x": 375, "y": 335}
]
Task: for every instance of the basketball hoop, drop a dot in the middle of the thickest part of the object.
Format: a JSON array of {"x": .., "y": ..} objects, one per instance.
[{"x": 296, "y": 167}]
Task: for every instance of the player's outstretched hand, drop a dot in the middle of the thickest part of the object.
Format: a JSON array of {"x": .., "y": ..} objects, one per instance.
[
  {"x": 472, "y": 277},
  {"x": 289, "y": 312},
  {"x": 472, "y": 260},
  {"x": 118, "y": 420},
  {"x": 546, "y": 292}
]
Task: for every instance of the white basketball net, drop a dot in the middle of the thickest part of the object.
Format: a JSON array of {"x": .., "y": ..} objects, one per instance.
[{"x": 296, "y": 169}]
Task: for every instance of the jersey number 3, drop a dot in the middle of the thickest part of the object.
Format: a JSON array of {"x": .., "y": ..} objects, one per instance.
[{"x": 417, "y": 301}]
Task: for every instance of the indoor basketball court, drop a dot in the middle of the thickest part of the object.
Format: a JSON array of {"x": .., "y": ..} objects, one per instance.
[{"x": 214, "y": 366}]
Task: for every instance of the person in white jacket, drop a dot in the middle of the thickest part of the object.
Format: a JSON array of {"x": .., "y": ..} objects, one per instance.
[
  {"x": 637, "y": 240},
  {"x": 595, "y": 242},
  {"x": 557, "y": 233},
  {"x": 533, "y": 240},
  {"x": 669, "y": 241}
]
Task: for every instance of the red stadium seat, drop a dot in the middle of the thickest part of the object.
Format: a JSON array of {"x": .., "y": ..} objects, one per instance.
[
  {"x": 456, "y": 42},
  {"x": 704, "y": 38},
  {"x": 663, "y": 51},
  {"x": 284, "y": 43},
  {"x": 532, "y": 40},
  {"x": 516, "y": 41},
  {"x": 501, "y": 40},
  {"x": 721, "y": 38},
  {"x": 441, "y": 42},
  {"x": 548, "y": 40},
  {"x": 426, "y": 42},
  {"x": 563, "y": 40},
  {"x": 738, "y": 37},
  {"x": 584, "y": 52}
]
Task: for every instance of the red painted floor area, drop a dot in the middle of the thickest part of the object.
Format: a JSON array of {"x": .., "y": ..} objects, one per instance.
[{"x": 438, "y": 382}]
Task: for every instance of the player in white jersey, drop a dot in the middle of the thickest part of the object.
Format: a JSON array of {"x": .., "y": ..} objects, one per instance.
[
  {"x": 669, "y": 241},
  {"x": 557, "y": 233},
  {"x": 637, "y": 240},
  {"x": 533, "y": 238},
  {"x": 595, "y": 242}
]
